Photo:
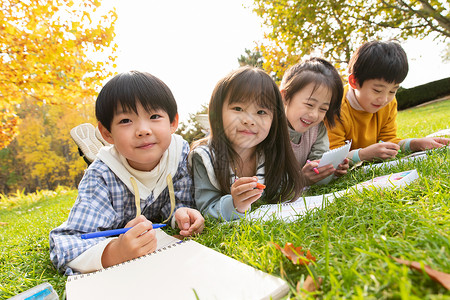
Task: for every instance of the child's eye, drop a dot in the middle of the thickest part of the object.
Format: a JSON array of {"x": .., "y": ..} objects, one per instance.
[
  {"x": 308, "y": 104},
  {"x": 392, "y": 92},
  {"x": 124, "y": 121},
  {"x": 155, "y": 116},
  {"x": 377, "y": 91},
  {"x": 237, "y": 108},
  {"x": 262, "y": 112},
  {"x": 324, "y": 109}
]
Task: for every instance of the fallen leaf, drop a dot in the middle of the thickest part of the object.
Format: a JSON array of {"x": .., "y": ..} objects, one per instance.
[
  {"x": 295, "y": 254},
  {"x": 309, "y": 285},
  {"x": 441, "y": 277},
  {"x": 3, "y": 223}
]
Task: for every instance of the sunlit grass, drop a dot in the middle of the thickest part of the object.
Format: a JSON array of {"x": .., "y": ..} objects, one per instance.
[
  {"x": 352, "y": 238},
  {"x": 421, "y": 121},
  {"x": 24, "y": 250},
  {"x": 19, "y": 198}
]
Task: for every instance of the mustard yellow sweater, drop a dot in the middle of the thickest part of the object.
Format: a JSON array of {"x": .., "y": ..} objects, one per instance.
[{"x": 363, "y": 128}]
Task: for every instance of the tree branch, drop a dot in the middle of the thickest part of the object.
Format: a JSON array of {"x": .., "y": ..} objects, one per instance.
[
  {"x": 424, "y": 15},
  {"x": 431, "y": 12}
]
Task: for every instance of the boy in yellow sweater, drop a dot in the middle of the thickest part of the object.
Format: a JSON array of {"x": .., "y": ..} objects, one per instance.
[{"x": 369, "y": 107}]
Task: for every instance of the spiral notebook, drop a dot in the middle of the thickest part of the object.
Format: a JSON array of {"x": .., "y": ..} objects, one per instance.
[
  {"x": 291, "y": 211},
  {"x": 177, "y": 270},
  {"x": 334, "y": 157}
]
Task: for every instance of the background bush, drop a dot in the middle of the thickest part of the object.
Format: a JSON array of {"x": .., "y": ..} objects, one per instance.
[{"x": 422, "y": 93}]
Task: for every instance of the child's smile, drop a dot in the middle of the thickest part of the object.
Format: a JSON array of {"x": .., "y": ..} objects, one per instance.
[
  {"x": 246, "y": 132},
  {"x": 146, "y": 146},
  {"x": 307, "y": 123}
]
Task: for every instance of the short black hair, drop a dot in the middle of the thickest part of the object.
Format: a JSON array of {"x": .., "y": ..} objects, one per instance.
[
  {"x": 126, "y": 89},
  {"x": 379, "y": 60},
  {"x": 320, "y": 72}
]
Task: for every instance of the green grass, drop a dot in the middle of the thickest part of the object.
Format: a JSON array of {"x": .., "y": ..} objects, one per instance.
[
  {"x": 421, "y": 121},
  {"x": 24, "y": 250},
  {"x": 352, "y": 239}
]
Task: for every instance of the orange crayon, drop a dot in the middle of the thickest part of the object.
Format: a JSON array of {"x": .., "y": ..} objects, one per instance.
[{"x": 260, "y": 186}]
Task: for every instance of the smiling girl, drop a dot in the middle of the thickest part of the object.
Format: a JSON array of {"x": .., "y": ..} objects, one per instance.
[
  {"x": 248, "y": 146},
  {"x": 312, "y": 91}
]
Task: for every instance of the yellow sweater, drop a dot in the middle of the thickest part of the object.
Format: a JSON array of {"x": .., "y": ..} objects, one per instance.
[{"x": 363, "y": 128}]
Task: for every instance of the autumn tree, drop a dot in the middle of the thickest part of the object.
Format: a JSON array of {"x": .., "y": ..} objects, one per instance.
[
  {"x": 333, "y": 29},
  {"x": 44, "y": 155},
  {"x": 47, "y": 51}
]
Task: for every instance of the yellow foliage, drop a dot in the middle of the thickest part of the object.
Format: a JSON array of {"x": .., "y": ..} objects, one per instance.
[
  {"x": 44, "y": 154},
  {"x": 20, "y": 198},
  {"x": 8, "y": 125},
  {"x": 47, "y": 50}
]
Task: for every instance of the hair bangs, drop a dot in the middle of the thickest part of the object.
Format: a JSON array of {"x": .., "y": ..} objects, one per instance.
[
  {"x": 253, "y": 87},
  {"x": 151, "y": 94}
]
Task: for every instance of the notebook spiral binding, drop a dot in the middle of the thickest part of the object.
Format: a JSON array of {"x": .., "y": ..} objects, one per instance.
[{"x": 81, "y": 276}]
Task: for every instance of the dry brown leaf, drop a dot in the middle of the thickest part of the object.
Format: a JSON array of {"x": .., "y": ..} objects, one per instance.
[
  {"x": 295, "y": 254},
  {"x": 3, "y": 223},
  {"x": 441, "y": 277},
  {"x": 309, "y": 285}
]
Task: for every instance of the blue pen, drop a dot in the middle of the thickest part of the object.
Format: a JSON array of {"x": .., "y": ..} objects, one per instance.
[{"x": 112, "y": 232}]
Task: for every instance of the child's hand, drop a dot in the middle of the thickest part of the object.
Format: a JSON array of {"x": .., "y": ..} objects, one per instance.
[
  {"x": 342, "y": 168},
  {"x": 312, "y": 176},
  {"x": 244, "y": 193},
  {"x": 189, "y": 220},
  {"x": 137, "y": 241},
  {"x": 428, "y": 143},
  {"x": 379, "y": 151}
]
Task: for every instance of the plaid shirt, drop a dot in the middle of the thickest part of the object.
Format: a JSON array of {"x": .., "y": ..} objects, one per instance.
[{"x": 104, "y": 202}]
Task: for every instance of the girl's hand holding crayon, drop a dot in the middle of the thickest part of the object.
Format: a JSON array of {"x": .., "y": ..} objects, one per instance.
[
  {"x": 313, "y": 174},
  {"x": 245, "y": 191},
  {"x": 137, "y": 241}
]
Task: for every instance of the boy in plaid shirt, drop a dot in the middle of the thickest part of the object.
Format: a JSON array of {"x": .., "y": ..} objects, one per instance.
[{"x": 137, "y": 114}]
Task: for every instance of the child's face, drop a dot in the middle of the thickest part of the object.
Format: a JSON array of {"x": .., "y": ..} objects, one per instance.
[
  {"x": 141, "y": 138},
  {"x": 246, "y": 124},
  {"x": 374, "y": 94},
  {"x": 307, "y": 108}
]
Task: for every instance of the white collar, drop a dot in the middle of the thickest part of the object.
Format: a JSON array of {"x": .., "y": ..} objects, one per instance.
[{"x": 351, "y": 96}]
